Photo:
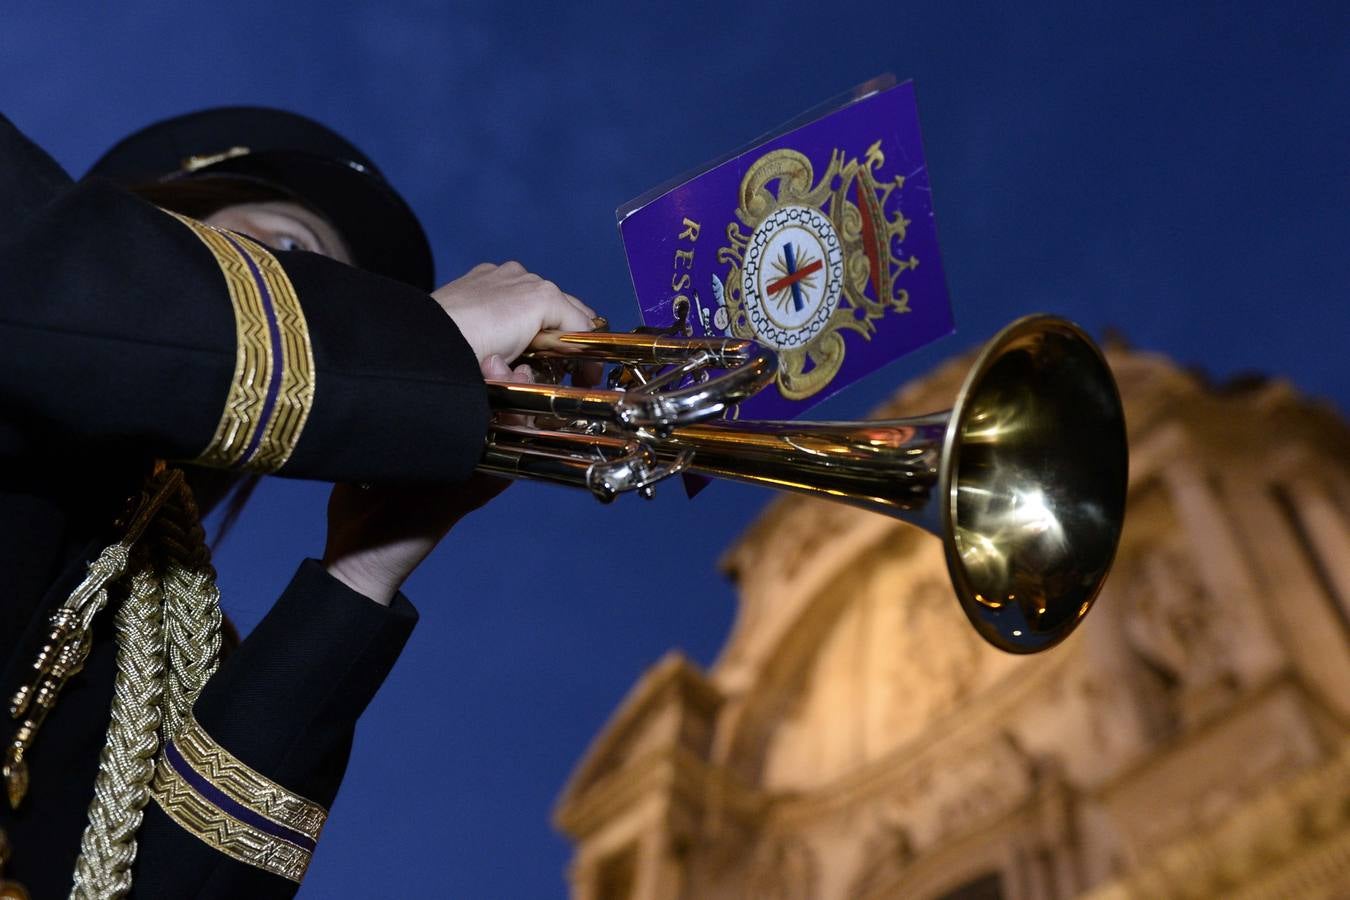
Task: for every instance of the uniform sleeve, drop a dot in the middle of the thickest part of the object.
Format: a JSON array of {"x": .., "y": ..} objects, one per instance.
[
  {"x": 127, "y": 328},
  {"x": 283, "y": 709}
]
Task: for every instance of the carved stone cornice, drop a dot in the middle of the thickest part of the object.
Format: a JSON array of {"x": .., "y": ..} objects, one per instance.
[
  {"x": 1291, "y": 840},
  {"x": 680, "y": 782},
  {"x": 667, "y": 716},
  {"x": 793, "y": 559},
  {"x": 1267, "y": 730},
  {"x": 979, "y": 729}
]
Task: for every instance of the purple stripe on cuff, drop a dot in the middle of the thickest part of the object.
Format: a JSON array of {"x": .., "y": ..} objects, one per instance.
[
  {"x": 274, "y": 333},
  {"x": 225, "y": 803}
]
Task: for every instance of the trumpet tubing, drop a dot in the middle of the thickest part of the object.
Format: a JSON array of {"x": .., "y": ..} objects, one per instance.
[{"x": 1023, "y": 479}]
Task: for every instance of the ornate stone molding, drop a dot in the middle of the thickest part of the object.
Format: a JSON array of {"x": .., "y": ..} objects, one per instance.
[{"x": 1291, "y": 840}]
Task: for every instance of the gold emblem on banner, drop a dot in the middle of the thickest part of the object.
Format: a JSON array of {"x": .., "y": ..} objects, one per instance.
[{"x": 821, "y": 257}]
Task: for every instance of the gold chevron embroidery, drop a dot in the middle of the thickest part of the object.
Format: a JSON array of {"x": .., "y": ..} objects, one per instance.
[
  {"x": 272, "y": 389},
  {"x": 234, "y": 809},
  {"x": 245, "y": 786},
  {"x": 295, "y": 395},
  {"x": 223, "y": 832}
]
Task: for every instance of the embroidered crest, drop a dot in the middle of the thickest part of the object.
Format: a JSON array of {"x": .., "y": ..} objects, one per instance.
[
  {"x": 819, "y": 243},
  {"x": 822, "y": 256}
]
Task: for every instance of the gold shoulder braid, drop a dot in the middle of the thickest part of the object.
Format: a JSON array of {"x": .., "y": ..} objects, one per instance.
[
  {"x": 168, "y": 632},
  {"x": 127, "y": 763},
  {"x": 168, "y": 645}
]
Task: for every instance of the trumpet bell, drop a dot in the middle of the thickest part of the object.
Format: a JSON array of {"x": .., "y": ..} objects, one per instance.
[{"x": 1032, "y": 483}]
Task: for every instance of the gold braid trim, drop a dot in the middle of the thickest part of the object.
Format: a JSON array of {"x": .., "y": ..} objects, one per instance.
[
  {"x": 122, "y": 787},
  {"x": 223, "y": 832},
  {"x": 232, "y": 808},
  {"x": 253, "y": 353},
  {"x": 192, "y": 619},
  {"x": 295, "y": 396},
  {"x": 247, "y": 787},
  {"x": 272, "y": 390}
]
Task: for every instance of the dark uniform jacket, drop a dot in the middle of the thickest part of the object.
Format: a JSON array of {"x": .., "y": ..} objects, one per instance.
[{"x": 121, "y": 330}]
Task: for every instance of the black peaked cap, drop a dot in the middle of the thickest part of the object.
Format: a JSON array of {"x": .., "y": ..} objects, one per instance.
[{"x": 295, "y": 154}]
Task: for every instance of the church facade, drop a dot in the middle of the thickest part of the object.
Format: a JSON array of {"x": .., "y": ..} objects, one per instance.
[{"x": 857, "y": 739}]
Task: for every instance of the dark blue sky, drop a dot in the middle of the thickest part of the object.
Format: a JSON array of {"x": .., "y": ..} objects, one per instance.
[{"x": 1180, "y": 172}]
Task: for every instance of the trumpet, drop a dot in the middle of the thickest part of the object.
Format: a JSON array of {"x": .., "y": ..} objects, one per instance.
[{"x": 1023, "y": 479}]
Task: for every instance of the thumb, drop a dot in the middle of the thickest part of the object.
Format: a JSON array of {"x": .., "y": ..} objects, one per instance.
[{"x": 495, "y": 369}]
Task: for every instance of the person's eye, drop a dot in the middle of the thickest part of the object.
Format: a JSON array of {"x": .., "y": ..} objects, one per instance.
[{"x": 290, "y": 242}]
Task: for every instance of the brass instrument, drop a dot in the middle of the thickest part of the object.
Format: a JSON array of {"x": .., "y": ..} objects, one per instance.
[{"x": 1023, "y": 479}]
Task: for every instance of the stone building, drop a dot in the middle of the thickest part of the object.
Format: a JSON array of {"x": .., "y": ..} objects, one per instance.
[{"x": 856, "y": 739}]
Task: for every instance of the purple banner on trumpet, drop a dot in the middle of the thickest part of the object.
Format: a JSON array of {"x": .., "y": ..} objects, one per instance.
[{"x": 819, "y": 243}]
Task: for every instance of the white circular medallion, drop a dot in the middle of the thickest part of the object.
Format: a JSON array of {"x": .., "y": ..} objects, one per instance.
[{"x": 792, "y": 276}]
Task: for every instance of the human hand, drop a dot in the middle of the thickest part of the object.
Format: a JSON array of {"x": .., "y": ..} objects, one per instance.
[
  {"x": 499, "y": 309},
  {"x": 378, "y": 535}
]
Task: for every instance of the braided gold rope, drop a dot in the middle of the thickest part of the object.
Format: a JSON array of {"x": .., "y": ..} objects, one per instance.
[
  {"x": 168, "y": 645},
  {"x": 91, "y": 595},
  {"x": 122, "y": 787},
  {"x": 192, "y": 620}
]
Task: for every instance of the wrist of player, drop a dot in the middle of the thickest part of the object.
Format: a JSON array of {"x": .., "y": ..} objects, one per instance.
[{"x": 366, "y": 576}]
